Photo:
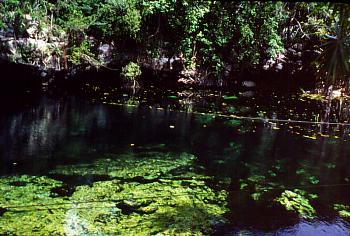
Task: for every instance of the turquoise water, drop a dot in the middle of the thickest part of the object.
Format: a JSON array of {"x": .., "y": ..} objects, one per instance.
[{"x": 173, "y": 163}]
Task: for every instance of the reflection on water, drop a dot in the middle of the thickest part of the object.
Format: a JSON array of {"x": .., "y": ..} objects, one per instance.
[
  {"x": 92, "y": 168},
  {"x": 304, "y": 228},
  {"x": 338, "y": 227}
]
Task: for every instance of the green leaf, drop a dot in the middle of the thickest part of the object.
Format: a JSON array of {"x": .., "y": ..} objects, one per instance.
[{"x": 229, "y": 97}]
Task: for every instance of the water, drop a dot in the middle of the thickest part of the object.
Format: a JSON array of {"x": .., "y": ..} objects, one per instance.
[{"x": 157, "y": 162}]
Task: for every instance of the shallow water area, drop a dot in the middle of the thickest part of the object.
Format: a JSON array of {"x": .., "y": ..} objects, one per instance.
[{"x": 172, "y": 163}]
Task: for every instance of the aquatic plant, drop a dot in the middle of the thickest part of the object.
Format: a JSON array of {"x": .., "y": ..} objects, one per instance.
[
  {"x": 29, "y": 206},
  {"x": 233, "y": 123},
  {"x": 29, "y": 190},
  {"x": 231, "y": 109},
  {"x": 296, "y": 201},
  {"x": 204, "y": 119},
  {"x": 311, "y": 96},
  {"x": 143, "y": 165},
  {"x": 171, "y": 207},
  {"x": 149, "y": 193},
  {"x": 258, "y": 186},
  {"x": 228, "y": 97},
  {"x": 306, "y": 176},
  {"x": 343, "y": 210}
]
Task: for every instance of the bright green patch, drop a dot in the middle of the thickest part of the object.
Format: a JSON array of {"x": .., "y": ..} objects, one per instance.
[
  {"x": 131, "y": 71},
  {"x": 343, "y": 210},
  {"x": 144, "y": 165},
  {"x": 313, "y": 180},
  {"x": 30, "y": 206},
  {"x": 229, "y": 97},
  {"x": 170, "y": 207},
  {"x": 149, "y": 193},
  {"x": 300, "y": 171},
  {"x": 296, "y": 201},
  {"x": 311, "y": 96}
]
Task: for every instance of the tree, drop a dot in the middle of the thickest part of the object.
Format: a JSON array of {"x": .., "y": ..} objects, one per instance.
[
  {"x": 334, "y": 59},
  {"x": 131, "y": 72}
]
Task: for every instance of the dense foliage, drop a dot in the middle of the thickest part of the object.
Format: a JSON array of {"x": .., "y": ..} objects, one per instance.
[{"x": 218, "y": 38}]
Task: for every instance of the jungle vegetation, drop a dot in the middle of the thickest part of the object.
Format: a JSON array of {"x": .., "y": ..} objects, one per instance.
[{"x": 217, "y": 38}]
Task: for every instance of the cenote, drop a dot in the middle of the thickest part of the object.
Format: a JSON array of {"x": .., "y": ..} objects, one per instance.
[
  {"x": 174, "y": 117},
  {"x": 159, "y": 163}
]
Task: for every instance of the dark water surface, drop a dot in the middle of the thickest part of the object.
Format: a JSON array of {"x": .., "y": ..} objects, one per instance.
[{"x": 218, "y": 175}]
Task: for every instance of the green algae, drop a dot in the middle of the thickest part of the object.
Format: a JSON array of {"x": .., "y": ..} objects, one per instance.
[
  {"x": 264, "y": 185},
  {"x": 174, "y": 201},
  {"x": 226, "y": 97},
  {"x": 311, "y": 96},
  {"x": 313, "y": 180},
  {"x": 231, "y": 109},
  {"x": 258, "y": 186},
  {"x": 204, "y": 119},
  {"x": 343, "y": 210},
  {"x": 30, "y": 206},
  {"x": 170, "y": 207},
  {"x": 297, "y": 201},
  {"x": 233, "y": 123},
  {"x": 146, "y": 165},
  {"x": 28, "y": 190}
]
